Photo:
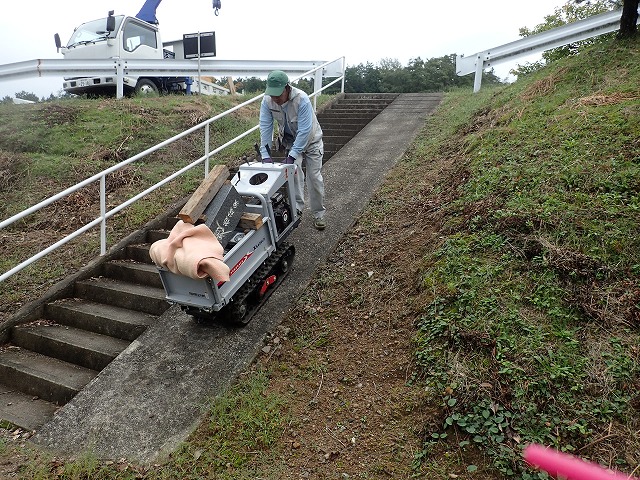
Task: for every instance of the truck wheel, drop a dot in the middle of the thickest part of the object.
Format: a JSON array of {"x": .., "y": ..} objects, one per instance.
[{"x": 146, "y": 87}]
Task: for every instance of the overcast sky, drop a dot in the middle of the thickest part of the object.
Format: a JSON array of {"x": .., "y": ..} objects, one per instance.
[{"x": 361, "y": 31}]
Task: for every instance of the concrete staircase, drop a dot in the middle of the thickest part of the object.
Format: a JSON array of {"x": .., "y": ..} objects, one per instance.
[
  {"x": 346, "y": 116},
  {"x": 67, "y": 338},
  {"x": 47, "y": 361}
]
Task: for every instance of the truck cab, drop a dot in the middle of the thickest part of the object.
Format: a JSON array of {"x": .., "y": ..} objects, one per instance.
[
  {"x": 118, "y": 36},
  {"x": 128, "y": 38},
  {"x": 131, "y": 38}
]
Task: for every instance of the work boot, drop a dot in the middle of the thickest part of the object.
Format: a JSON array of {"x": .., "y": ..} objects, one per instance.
[{"x": 319, "y": 223}]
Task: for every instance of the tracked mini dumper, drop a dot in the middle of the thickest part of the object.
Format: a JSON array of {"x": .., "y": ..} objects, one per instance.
[{"x": 258, "y": 256}]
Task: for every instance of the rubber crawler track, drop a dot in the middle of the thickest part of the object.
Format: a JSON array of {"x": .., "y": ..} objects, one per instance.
[{"x": 247, "y": 301}]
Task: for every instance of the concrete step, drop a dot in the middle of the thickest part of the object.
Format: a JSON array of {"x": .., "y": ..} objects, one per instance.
[
  {"x": 48, "y": 361},
  {"x": 349, "y": 108},
  {"x": 139, "y": 252},
  {"x": 366, "y": 99},
  {"x": 171, "y": 222},
  {"x": 338, "y": 122},
  {"x": 328, "y": 154},
  {"x": 346, "y": 109},
  {"x": 40, "y": 376},
  {"x": 155, "y": 235},
  {"x": 335, "y": 128},
  {"x": 100, "y": 318},
  {"x": 328, "y": 135},
  {"x": 73, "y": 345},
  {"x": 389, "y": 97},
  {"x": 124, "y": 294},
  {"x": 338, "y": 138},
  {"x": 27, "y": 411},
  {"x": 361, "y": 102},
  {"x": 351, "y": 116},
  {"x": 335, "y": 146},
  {"x": 369, "y": 107},
  {"x": 345, "y": 118},
  {"x": 134, "y": 272}
]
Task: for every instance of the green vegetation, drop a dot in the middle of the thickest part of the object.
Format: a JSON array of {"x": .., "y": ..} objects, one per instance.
[
  {"x": 238, "y": 433},
  {"x": 48, "y": 147},
  {"x": 531, "y": 330}
]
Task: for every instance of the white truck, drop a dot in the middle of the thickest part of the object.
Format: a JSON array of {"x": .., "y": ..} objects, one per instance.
[{"x": 126, "y": 37}]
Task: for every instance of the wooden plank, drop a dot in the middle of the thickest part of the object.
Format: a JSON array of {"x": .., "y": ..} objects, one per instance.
[
  {"x": 203, "y": 195},
  {"x": 252, "y": 221}
]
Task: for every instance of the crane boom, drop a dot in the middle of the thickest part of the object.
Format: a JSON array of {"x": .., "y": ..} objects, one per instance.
[{"x": 148, "y": 10}]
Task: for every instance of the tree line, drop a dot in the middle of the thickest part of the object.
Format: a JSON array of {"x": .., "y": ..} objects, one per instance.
[{"x": 389, "y": 76}]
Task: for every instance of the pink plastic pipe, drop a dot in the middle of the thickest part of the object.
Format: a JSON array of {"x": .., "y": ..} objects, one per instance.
[{"x": 563, "y": 465}]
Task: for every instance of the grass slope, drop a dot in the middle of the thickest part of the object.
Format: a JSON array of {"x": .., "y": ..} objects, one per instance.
[
  {"x": 530, "y": 333},
  {"x": 48, "y": 147}
]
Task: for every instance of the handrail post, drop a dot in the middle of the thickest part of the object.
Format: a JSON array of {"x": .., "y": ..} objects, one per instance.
[
  {"x": 206, "y": 149},
  {"x": 317, "y": 86},
  {"x": 103, "y": 215}
]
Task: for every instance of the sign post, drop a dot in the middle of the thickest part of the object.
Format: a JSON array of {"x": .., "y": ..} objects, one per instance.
[{"x": 198, "y": 45}]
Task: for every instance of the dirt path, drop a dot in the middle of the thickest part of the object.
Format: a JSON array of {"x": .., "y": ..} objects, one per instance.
[{"x": 344, "y": 356}]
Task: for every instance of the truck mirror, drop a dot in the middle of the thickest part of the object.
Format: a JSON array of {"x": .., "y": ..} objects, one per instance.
[
  {"x": 58, "y": 43},
  {"x": 111, "y": 22}
]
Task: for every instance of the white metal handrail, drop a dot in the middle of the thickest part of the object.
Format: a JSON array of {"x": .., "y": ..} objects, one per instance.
[
  {"x": 162, "y": 67},
  {"x": 166, "y": 67},
  {"x": 556, "y": 37},
  {"x": 101, "y": 177}
]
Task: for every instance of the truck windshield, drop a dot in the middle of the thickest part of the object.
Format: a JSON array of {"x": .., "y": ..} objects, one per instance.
[{"x": 93, "y": 31}]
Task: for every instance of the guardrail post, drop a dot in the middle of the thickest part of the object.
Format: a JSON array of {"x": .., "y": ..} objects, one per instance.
[
  {"x": 120, "y": 79},
  {"x": 479, "y": 69}
]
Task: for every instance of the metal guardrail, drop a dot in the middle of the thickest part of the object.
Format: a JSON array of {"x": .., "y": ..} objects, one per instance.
[
  {"x": 318, "y": 72},
  {"x": 167, "y": 67},
  {"x": 556, "y": 37}
]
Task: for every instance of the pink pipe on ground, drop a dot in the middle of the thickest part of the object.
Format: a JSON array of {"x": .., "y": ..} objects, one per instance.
[{"x": 558, "y": 464}]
